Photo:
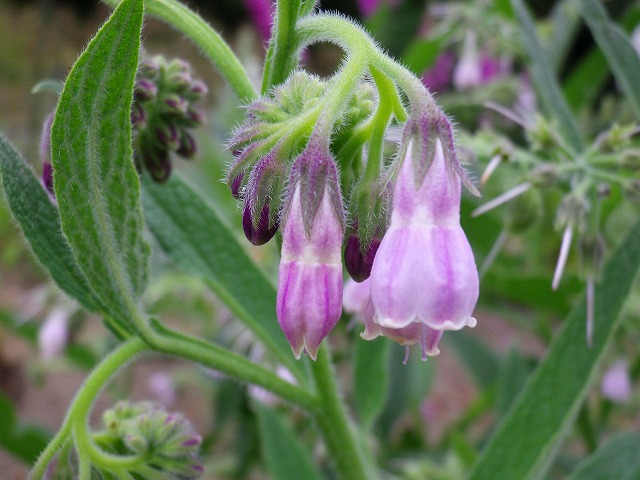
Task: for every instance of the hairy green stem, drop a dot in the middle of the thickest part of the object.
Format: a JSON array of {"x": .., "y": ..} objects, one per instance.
[
  {"x": 213, "y": 46},
  {"x": 281, "y": 56},
  {"x": 177, "y": 344},
  {"x": 339, "y": 434},
  {"x": 81, "y": 404}
]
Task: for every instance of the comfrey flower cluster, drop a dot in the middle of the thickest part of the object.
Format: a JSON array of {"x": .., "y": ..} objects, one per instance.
[
  {"x": 312, "y": 143},
  {"x": 164, "y": 110}
]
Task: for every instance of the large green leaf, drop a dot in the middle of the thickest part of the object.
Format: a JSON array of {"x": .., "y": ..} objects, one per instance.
[
  {"x": 619, "y": 52},
  {"x": 618, "y": 459},
  {"x": 524, "y": 444},
  {"x": 284, "y": 453},
  {"x": 95, "y": 181},
  {"x": 40, "y": 222},
  {"x": 544, "y": 80},
  {"x": 194, "y": 236}
]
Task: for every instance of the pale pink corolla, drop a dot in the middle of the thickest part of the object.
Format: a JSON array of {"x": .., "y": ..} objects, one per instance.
[
  {"x": 309, "y": 301},
  {"x": 424, "y": 271}
]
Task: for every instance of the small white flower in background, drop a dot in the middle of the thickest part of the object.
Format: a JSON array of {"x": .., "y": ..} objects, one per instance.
[
  {"x": 616, "y": 383},
  {"x": 54, "y": 333},
  {"x": 468, "y": 72}
]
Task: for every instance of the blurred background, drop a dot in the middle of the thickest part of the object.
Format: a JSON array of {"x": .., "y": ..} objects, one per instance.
[{"x": 47, "y": 346}]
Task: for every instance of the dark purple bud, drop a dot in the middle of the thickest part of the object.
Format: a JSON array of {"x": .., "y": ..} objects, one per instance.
[
  {"x": 199, "y": 88},
  {"x": 138, "y": 117},
  {"x": 188, "y": 146},
  {"x": 194, "y": 117},
  {"x": 197, "y": 467},
  {"x": 158, "y": 164},
  {"x": 168, "y": 137},
  {"x": 236, "y": 186},
  {"x": 47, "y": 177},
  {"x": 176, "y": 104},
  {"x": 192, "y": 442},
  {"x": 145, "y": 89},
  {"x": 149, "y": 68},
  {"x": 259, "y": 232},
  {"x": 180, "y": 81},
  {"x": 359, "y": 263}
]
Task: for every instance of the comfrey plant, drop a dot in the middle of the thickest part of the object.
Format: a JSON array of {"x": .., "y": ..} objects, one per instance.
[{"x": 317, "y": 164}]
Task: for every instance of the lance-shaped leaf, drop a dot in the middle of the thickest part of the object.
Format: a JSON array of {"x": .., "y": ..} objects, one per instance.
[
  {"x": 525, "y": 443},
  {"x": 619, "y": 52},
  {"x": 95, "y": 181},
  {"x": 40, "y": 222},
  {"x": 545, "y": 81}
]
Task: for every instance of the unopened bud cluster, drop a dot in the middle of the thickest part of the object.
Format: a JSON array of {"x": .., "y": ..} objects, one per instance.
[
  {"x": 399, "y": 231},
  {"x": 165, "y": 109},
  {"x": 166, "y": 443}
]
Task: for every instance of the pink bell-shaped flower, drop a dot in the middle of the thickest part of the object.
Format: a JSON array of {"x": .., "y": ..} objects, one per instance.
[
  {"x": 424, "y": 271},
  {"x": 309, "y": 301}
]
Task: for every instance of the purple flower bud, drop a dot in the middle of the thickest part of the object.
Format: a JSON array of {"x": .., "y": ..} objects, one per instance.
[
  {"x": 168, "y": 137},
  {"x": 359, "y": 263},
  {"x": 138, "y": 116},
  {"x": 158, "y": 164},
  {"x": 148, "y": 68},
  {"x": 236, "y": 186},
  {"x": 145, "y": 89},
  {"x": 424, "y": 270},
  {"x": 198, "y": 88},
  {"x": 180, "y": 81},
  {"x": 176, "y": 104},
  {"x": 309, "y": 301},
  {"x": 188, "y": 146},
  {"x": 194, "y": 117},
  {"x": 261, "y": 231},
  {"x": 193, "y": 441}
]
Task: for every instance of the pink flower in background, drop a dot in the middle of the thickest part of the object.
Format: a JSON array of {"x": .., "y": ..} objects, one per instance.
[
  {"x": 54, "y": 333},
  {"x": 438, "y": 77},
  {"x": 261, "y": 13},
  {"x": 616, "y": 383}
]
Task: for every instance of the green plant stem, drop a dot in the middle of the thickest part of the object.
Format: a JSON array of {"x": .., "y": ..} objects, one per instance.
[
  {"x": 339, "y": 434},
  {"x": 177, "y": 344},
  {"x": 351, "y": 38},
  {"x": 81, "y": 404},
  {"x": 281, "y": 56},
  {"x": 213, "y": 46}
]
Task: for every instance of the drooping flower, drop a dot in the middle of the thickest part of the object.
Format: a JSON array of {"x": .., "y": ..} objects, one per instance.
[
  {"x": 424, "y": 271},
  {"x": 309, "y": 301},
  {"x": 357, "y": 300}
]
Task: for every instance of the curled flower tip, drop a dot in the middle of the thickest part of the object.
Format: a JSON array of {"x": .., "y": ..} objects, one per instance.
[
  {"x": 357, "y": 261},
  {"x": 236, "y": 186},
  {"x": 309, "y": 300},
  {"x": 258, "y": 231}
]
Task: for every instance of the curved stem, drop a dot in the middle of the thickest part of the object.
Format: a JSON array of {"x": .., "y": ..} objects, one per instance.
[
  {"x": 83, "y": 401},
  {"x": 213, "y": 46},
  {"x": 177, "y": 344},
  {"x": 339, "y": 434}
]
